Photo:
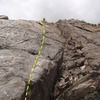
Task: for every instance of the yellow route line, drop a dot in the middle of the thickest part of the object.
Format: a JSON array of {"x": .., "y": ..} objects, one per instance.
[{"x": 35, "y": 61}]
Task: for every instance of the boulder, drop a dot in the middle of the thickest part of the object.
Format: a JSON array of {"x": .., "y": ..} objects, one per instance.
[
  {"x": 4, "y": 17},
  {"x": 19, "y": 44}
]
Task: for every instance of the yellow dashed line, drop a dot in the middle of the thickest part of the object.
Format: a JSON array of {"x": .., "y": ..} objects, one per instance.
[
  {"x": 30, "y": 75},
  {"x": 39, "y": 52},
  {"x": 41, "y": 48},
  {"x": 32, "y": 70},
  {"x": 43, "y": 31},
  {"x": 42, "y": 42},
  {"x": 26, "y": 94},
  {"x": 33, "y": 65},
  {"x": 41, "y": 23},
  {"x": 35, "y": 62},
  {"x": 27, "y": 88},
  {"x": 28, "y": 82},
  {"x": 43, "y": 37},
  {"x": 25, "y": 98},
  {"x": 43, "y": 27},
  {"x": 37, "y": 57}
]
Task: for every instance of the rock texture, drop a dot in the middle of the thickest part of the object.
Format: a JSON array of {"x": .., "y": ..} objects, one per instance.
[
  {"x": 68, "y": 67},
  {"x": 19, "y": 43},
  {"x": 80, "y": 71}
]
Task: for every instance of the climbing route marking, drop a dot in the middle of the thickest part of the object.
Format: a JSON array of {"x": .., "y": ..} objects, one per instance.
[{"x": 35, "y": 61}]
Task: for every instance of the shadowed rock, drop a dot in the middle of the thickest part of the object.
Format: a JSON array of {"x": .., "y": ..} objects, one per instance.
[
  {"x": 4, "y": 17},
  {"x": 80, "y": 71}
]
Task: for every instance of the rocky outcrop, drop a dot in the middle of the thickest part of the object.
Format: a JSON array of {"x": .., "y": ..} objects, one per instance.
[
  {"x": 4, "y": 17},
  {"x": 19, "y": 43},
  {"x": 80, "y": 71},
  {"x": 67, "y": 69}
]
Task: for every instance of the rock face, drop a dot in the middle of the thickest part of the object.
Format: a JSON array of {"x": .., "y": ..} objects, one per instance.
[
  {"x": 80, "y": 71},
  {"x": 67, "y": 69},
  {"x": 19, "y": 44}
]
